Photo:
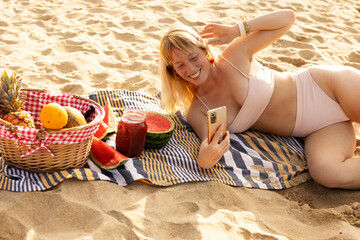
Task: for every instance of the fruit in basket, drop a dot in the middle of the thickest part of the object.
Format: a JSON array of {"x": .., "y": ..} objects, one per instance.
[
  {"x": 75, "y": 117},
  {"x": 53, "y": 116},
  {"x": 11, "y": 101},
  {"x": 105, "y": 156},
  {"x": 159, "y": 131}
]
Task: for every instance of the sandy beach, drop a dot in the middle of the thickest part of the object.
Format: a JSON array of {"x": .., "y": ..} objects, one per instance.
[{"x": 79, "y": 47}]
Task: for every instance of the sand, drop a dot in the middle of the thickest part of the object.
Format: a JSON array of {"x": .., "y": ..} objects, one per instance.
[{"x": 81, "y": 46}]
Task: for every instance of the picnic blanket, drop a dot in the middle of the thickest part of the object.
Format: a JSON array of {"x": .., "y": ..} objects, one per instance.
[{"x": 254, "y": 160}]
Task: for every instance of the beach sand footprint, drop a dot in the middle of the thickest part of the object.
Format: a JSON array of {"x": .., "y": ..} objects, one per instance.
[
  {"x": 124, "y": 36},
  {"x": 297, "y": 62},
  {"x": 354, "y": 57},
  {"x": 66, "y": 67},
  {"x": 75, "y": 88},
  {"x": 127, "y": 226},
  {"x": 308, "y": 54}
]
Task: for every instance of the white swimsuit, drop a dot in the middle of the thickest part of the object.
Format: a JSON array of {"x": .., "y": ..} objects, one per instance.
[
  {"x": 261, "y": 87},
  {"x": 315, "y": 109}
]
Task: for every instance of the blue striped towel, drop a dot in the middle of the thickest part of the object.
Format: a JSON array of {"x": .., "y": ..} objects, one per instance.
[{"x": 254, "y": 160}]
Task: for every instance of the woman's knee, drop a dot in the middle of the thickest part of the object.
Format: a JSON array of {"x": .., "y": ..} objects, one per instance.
[
  {"x": 328, "y": 174},
  {"x": 327, "y": 152}
]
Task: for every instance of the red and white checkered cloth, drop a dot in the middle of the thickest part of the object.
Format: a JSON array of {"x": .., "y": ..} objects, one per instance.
[{"x": 34, "y": 102}]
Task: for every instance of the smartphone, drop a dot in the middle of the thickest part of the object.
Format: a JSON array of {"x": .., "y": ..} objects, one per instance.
[{"x": 216, "y": 117}]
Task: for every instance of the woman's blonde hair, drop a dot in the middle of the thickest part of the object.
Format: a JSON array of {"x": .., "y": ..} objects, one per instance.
[{"x": 178, "y": 94}]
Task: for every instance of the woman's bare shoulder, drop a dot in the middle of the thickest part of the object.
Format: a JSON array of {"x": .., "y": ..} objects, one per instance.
[
  {"x": 196, "y": 116},
  {"x": 196, "y": 108}
]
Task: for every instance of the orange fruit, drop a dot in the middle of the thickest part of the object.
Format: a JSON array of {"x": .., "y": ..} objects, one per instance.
[{"x": 53, "y": 116}]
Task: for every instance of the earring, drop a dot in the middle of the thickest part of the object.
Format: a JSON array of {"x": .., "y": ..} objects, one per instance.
[
  {"x": 210, "y": 58},
  {"x": 177, "y": 77}
]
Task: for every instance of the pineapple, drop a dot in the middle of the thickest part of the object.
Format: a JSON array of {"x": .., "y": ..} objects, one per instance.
[{"x": 11, "y": 101}]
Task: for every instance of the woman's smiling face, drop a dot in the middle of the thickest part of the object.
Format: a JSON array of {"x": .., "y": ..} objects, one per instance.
[{"x": 192, "y": 67}]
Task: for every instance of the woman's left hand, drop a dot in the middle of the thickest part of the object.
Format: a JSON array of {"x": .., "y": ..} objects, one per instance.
[
  {"x": 211, "y": 153},
  {"x": 219, "y": 34}
]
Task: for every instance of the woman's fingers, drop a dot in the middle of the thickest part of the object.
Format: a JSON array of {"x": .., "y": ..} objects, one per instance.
[
  {"x": 218, "y": 136},
  {"x": 215, "y": 34},
  {"x": 210, "y": 154},
  {"x": 214, "y": 41},
  {"x": 207, "y": 29},
  {"x": 208, "y": 35},
  {"x": 226, "y": 140}
]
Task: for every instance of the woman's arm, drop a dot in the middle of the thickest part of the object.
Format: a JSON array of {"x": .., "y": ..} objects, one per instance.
[{"x": 264, "y": 30}]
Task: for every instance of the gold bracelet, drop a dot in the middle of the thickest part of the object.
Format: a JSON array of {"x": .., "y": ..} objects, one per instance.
[{"x": 246, "y": 26}]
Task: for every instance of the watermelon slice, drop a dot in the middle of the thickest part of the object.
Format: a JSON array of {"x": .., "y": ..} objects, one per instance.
[
  {"x": 102, "y": 131},
  {"x": 159, "y": 130},
  {"x": 108, "y": 124},
  {"x": 109, "y": 117},
  {"x": 106, "y": 156}
]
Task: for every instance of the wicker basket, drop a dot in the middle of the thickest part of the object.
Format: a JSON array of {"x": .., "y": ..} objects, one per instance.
[{"x": 55, "y": 156}]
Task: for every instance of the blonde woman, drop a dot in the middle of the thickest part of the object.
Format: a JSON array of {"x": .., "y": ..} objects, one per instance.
[{"x": 317, "y": 103}]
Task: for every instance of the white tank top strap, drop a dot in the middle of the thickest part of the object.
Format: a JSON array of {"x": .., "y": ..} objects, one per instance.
[
  {"x": 245, "y": 75},
  {"x": 202, "y": 102}
]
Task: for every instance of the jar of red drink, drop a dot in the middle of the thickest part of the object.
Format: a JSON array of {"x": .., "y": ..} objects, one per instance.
[{"x": 131, "y": 133}]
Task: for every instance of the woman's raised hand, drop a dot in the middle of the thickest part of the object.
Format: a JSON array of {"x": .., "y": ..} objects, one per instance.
[{"x": 219, "y": 34}]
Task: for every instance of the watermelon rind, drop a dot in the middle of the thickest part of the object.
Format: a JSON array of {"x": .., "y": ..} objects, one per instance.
[
  {"x": 108, "y": 135},
  {"x": 155, "y": 140},
  {"x": 105, "y": 156}
]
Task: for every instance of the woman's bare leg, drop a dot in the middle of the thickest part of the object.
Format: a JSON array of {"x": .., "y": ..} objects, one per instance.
[
  {"x": 342, "y": 84},
  {"x": 329, "y": 154}
]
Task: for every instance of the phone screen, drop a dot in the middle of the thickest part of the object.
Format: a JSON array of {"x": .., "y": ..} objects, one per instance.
[{"x": 216, "y": 117}]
